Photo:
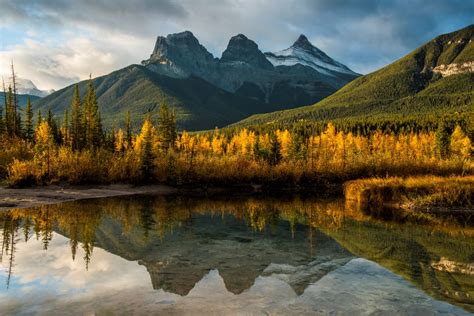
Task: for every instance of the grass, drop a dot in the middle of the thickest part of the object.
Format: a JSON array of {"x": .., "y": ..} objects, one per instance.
[{"x": 412, "y": 192}]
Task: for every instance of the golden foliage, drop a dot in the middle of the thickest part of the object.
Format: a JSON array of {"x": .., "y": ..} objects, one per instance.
[{"x": 243, "y": 157}]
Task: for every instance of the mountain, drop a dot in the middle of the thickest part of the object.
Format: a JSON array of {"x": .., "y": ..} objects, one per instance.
[
  {"x": 245, "y": 70},
  {"x": 21, "y": 99},
  {"x": 304, "y": 53},
  {"x": 435, "y": 79},
  {"x": 207, "y": 91},
  {"x": 27, "y": 87},
  {"x": 198, "y": 104}
]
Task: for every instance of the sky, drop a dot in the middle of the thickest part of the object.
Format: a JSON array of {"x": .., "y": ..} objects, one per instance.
[{"x": 58, "y": 42}]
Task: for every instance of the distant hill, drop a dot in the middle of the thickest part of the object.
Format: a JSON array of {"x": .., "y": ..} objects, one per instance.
[
  {"x": 436, "y": 78},
  {"x": 138, "y": 89},
  {"x": 21, "y": 99},
  {"x": 209, "y": 92}
]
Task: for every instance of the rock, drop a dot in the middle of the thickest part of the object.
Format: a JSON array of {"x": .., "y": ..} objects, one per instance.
[{"x": 242, "y": 49}]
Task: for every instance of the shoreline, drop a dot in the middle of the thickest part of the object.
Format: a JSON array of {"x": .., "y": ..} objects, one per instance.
[
  {"x": 15, "y": 198},
  {"x": 12, "y": 198}
]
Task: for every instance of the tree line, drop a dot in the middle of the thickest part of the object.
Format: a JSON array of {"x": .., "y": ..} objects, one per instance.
[{"x": 79, "y": 150}]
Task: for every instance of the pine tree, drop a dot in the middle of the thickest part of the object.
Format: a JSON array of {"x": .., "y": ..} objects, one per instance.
[
  {"x": 91, "y": 119},
  {"x": 111, "y": 139},
  {"x": 166, "y": 127},
  {"x": 128, "y": 130},
  {"x": 443, "y": 136},
  {"x": 39, "y": 119},
  {"x": 15, "y": 117},
  {"x": 65, "y": 128},
  {"x": 54, "y": 126},
  {"x": 29, "y": 132},
  {"x": 10, "y": 116},
  {"x": 275, "y": 151},
  {"x": 76, "y": 128},
  {"x": 100, "y": 130},
  {"x": 146, "y": 149}
]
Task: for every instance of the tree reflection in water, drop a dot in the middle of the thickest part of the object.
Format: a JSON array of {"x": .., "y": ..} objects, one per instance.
[{"x": 433, "y": 253}]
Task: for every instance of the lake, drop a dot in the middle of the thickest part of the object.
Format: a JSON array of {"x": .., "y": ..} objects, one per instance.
[{"x": 231, "y": 255}]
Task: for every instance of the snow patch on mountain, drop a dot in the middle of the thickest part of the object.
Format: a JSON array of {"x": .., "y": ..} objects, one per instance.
[
  {"x": 26, "y": 86},
  {"x": 304, "y": 53}
]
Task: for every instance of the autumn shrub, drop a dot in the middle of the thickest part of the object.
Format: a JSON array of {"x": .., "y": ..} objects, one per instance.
[
  {"x": 20, "y": 173},
  {"x": 411, "y": 192},
  {"x": 11, "y": 149},
  {"x": 279, "y": 158}
]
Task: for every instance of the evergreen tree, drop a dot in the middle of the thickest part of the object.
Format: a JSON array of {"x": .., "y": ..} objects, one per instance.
[
  {"x": 100, "y": 130},
  {"x": 275, "y": 151},
  {"x": 54, "y": 126},
  {"x": 39, "y": 119},
  {"x": 29, "y": 132},
  {"x": 10, "y": 115},
  {"x": 166, "y": 127},
  {"x": 147, "y": 156},
  {"x": 76, "y": 128},
  {"x": 15, "y": 117},
  {"x": 110, "y": 139},
  {"x": 65, "y": 128},
  {"x": 443, "y": 137},
  {"x": 128, "y": 129},
  {"x": 91, "y": 119}
]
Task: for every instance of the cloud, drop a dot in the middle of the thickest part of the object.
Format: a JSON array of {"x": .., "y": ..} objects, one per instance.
[
  {"x": 364, "y": 35},
  {"x": 50, "y": 65}
]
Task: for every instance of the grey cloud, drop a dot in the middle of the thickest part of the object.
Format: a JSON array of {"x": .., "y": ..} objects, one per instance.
[{"x": 365, "y": 34}]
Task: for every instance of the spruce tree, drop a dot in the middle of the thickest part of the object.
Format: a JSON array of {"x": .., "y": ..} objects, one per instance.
[
  {"x": 65, "y": 128},
  {"x": 29, "y": 132},
  {"x": 275, "y": 151},
  {"x": 443, "y": 137},
  {"x": 10, "y": 116},
  {"x": 39, "y": 119},
  {"x": 91, "y": 119},
  {"x": 76, "y": 128},
  {"x": 128, "y": 129},
  {"x": 166, "y": 127},
  {"x": 147, "y": 155},
  {"x": 15, "y": 117},
  {"x": 54, "y": 126}
]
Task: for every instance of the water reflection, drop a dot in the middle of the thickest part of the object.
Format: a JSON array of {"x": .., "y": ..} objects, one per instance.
[{"x": 188, "y": 246}]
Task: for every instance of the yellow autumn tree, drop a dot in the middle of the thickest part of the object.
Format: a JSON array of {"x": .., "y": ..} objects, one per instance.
[
  {"x": 44, "y": 145},
  {"x": 460, "y": 145},
  {"x": 284, "y": 138}
]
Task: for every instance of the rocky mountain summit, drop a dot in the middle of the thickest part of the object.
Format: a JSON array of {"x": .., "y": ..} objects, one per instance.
[
  {"x": 207, "y": 91},
  {"x": 304, "y": 53},
  {"x": 299, "y": 75},
  {"x": 243, "y": 50}
]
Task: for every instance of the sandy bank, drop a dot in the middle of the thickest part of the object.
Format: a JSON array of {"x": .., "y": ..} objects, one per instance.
[{"x": 29, "y": 197}]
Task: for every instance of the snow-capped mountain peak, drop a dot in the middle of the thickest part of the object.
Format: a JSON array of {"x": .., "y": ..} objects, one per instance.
[
  {"x": 26, "y": 86},
  {"x": 304, "y": 53}
]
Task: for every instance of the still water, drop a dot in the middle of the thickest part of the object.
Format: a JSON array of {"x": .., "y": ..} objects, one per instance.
[{"x": 230, "y": 256}]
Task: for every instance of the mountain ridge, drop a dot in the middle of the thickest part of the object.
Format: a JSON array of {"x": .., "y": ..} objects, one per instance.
[
  {"x": 411, "y": 85},
  {"x": 207, "y": 92}
]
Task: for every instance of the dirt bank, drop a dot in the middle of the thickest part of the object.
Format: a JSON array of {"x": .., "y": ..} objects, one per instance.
[{"x": 20, "y": 198}]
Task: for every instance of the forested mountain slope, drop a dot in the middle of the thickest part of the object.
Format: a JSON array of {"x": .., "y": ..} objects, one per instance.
[{"x": 437, "y": 78}]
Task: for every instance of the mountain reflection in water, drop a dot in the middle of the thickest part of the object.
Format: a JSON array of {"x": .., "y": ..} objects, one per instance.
[{"x": 222, "y": 255}]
